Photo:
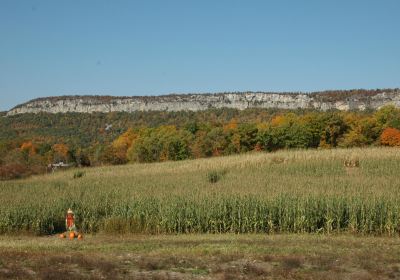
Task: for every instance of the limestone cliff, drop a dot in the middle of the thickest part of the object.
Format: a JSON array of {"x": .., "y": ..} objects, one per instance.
[{"x": 340, "y": 100}]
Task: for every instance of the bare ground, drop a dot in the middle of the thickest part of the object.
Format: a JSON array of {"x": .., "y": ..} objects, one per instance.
[{"x": 200, "y": 257}]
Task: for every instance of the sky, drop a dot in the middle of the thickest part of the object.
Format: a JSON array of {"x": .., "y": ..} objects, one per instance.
[{"x": 150, "y": 47}]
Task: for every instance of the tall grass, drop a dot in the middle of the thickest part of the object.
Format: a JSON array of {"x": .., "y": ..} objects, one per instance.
[{"x": 307, "y": 191}]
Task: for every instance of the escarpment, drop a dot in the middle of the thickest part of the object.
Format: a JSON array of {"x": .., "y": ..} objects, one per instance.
[{"x": 327, "y": 100}]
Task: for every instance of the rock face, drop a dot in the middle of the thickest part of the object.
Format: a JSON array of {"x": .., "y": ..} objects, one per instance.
[{"x": 340, "y": 100}]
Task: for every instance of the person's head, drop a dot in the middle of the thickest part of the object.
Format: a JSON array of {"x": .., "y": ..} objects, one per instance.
[{"x": 70, "y": 213}]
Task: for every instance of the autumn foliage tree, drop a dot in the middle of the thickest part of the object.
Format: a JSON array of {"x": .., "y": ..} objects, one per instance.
[
  {"x": 334, "y": 128},
  {"x": 60, "y": 152},
  {"x": 28, "y": 148},
  {"x": 390, "y": 137},
  {"x": 160, "y": 144},
  {"x": 122, "y": 144},
  {"x": 28, "y": 151}
]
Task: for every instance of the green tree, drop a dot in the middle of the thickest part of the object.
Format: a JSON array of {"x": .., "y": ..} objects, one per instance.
[
  {"x": 388, "y": 116},
  {"x": 334, "y": 128}
]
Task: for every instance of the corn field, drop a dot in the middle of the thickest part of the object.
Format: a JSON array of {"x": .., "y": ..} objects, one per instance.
[{"x": 284, "y": 192}]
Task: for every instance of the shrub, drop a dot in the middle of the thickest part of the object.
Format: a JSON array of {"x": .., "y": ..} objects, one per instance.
[{"x": 13, "y": 171}]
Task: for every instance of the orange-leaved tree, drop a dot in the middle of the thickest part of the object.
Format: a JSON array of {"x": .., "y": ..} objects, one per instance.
[
  {"x": 232, "y": 125},
  {"x": 390, "y": 137},
  {"x": 60, "y": 152},
  {"x": 28, "y": 148}
]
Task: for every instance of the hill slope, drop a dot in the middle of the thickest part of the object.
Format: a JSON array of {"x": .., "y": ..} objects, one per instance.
[{"x": 298, "y": 191}]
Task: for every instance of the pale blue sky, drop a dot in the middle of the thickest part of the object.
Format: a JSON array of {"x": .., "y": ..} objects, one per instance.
[{"x": 159, "y": 47}]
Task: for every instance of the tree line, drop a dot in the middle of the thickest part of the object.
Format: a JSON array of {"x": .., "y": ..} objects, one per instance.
[{"x": 30, "y": 142}]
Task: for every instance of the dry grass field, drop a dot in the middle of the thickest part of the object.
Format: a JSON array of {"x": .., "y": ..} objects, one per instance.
[
  {"x": 283, "y": 215},
  {"x": 216, "y": 256},
  {"x": 282, "y": 192}
]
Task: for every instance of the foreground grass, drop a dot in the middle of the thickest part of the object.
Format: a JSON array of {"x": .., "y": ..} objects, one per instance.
[
  {"x": 282, "y": 192},
  {"x": 227, "y": 256}
]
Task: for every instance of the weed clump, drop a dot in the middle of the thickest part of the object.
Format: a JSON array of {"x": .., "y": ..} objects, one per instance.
[
  {"x": 215, "y": 175},
  {"x": 79, "y": 174},
  {"x": 292, "y": 263}
]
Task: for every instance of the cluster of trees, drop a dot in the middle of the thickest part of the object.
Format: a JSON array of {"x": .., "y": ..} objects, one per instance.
[
  {"x": 83, "y": 140},
  {"x": 283, "y": 131},
  {"x": 23, "y": 158}
]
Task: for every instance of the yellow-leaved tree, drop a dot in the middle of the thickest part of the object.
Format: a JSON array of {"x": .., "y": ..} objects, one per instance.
[{"x": 123, "y": 143}]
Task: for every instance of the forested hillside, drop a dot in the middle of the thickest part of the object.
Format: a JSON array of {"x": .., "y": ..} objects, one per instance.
[{"x": 29, "y": 142}]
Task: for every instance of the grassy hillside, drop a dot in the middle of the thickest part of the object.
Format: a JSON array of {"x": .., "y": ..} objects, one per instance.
[{"x": 287, "y": 191}]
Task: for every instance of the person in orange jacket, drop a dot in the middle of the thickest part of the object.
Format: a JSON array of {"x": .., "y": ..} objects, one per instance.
[{"x": 70, "y": 221}]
